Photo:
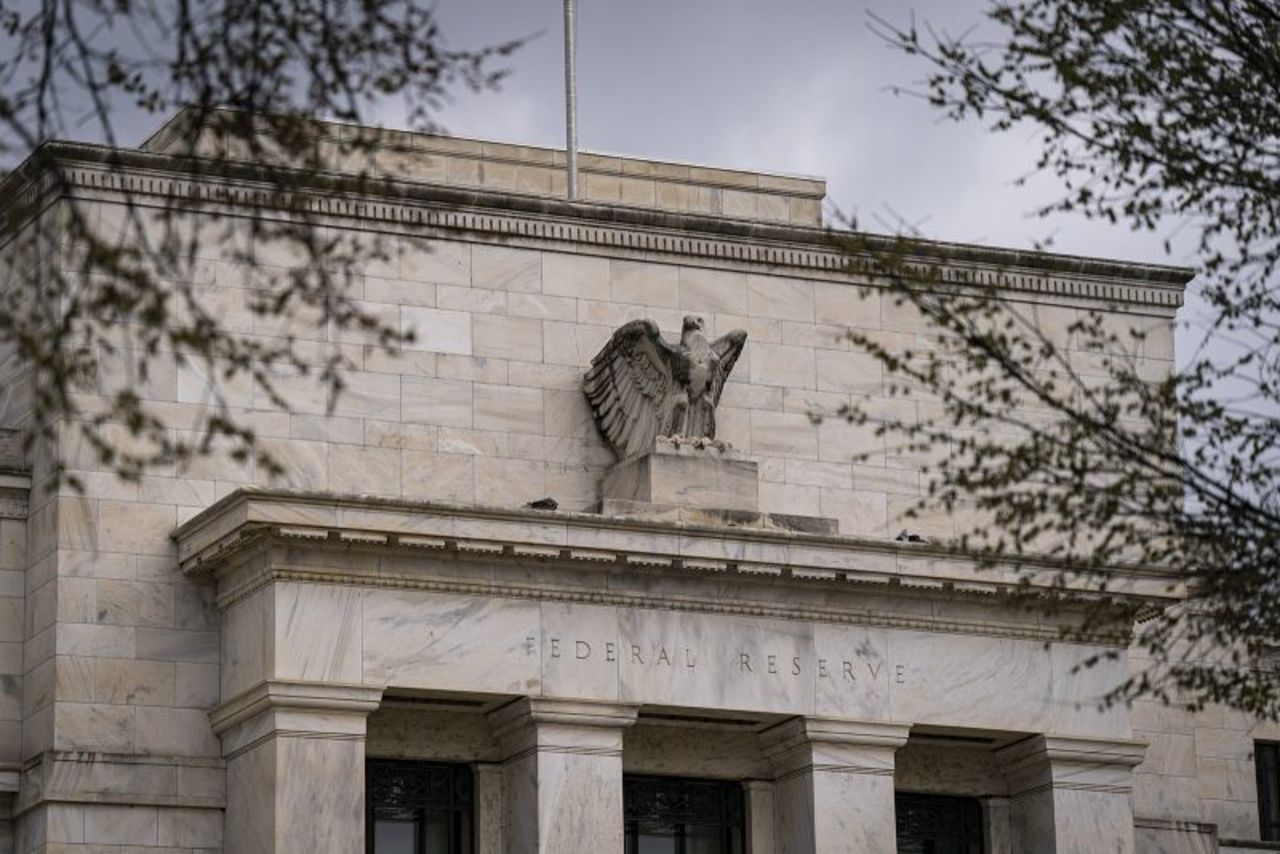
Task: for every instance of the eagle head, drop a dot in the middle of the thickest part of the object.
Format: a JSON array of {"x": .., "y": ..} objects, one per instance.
[{"x": 692, "y": 323}]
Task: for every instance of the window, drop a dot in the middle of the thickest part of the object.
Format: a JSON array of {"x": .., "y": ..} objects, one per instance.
[
  {"x": 418, "y": 808},
  {"x": 1266, "y": 758},
  {"x": 669, "y": 815},
  {"x": 936, "y": 824}
]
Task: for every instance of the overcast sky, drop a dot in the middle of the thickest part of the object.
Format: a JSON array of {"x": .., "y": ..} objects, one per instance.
[{"x": 798, "y": 87}]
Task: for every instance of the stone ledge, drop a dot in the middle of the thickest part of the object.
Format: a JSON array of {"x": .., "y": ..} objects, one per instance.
[
  {"x": 94, "y": 171},
  {"x": 123, "y": 779},
  {"x": 216, "y": 535},
  {"x": 718, "y": 518},
  {"x": 1248, "y": 845}
]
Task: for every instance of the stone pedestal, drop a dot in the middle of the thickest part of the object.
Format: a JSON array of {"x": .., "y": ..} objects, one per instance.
[
  {"x": 1071, "y": 795},
  {"x": 833, "y": 788},
  {"x": 295, "y": 767},
  {"x": 562, "y": 775},
  {"x": 686, "y": 474},
  {"x": 697, "y": 482}
]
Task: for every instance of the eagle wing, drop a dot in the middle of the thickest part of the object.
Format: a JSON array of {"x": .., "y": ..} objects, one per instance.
[
  {"x": 728, "y": 347},
  {"x": 630, "y": 386}
]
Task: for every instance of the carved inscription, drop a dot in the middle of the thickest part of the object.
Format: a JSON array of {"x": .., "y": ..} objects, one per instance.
[{"x": 852, "y": 670}]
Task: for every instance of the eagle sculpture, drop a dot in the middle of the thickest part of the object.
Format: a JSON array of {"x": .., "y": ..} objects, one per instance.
[{"x": 640, "y": 387}]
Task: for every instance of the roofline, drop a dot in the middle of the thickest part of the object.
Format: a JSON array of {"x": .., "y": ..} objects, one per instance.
[
  {"x": 56, "y": 152},
  {"x": 174, "y": 121}
]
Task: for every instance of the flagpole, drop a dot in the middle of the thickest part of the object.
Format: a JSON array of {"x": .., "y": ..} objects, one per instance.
[{"x": 571, "y": 92}]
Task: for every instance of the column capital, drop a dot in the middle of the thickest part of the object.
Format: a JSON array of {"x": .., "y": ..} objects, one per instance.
[
  {"x": 274, "y": 708},
  {"x": 798, "y": 731},
  {"x": 561, "y": 725},
  {"x": 1071, "y": 762},
  {"x": 833, "y": 744}
]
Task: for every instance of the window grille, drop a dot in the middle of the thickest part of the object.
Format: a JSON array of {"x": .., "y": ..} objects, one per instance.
[
  {"x": 418, "y": 808},
  {"x": 672, "y": 815}
]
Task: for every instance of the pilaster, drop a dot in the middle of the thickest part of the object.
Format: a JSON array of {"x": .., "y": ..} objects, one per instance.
[
  {"x": 295, "y": 766},
  {"x": 562, "y": 775},
  {"x": 489, "y": 818},
  {"x": 760, "y": 817},
  {"x": 833, "y": 785},
  {"x": 1071, "y": 795}
]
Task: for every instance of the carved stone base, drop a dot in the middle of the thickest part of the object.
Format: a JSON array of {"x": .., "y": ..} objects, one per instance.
[
  {"x": 686, "y": 474},
  {"x": 696, "y": 482}
]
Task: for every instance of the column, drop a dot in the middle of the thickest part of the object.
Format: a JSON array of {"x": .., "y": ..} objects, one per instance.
[
  {"x": 833, "y": 785},
  {"x": 295, "y": 766},
  {"x": 1071, "y": 795},
  {"x": 995, "y": 825},
  {"x": 760, "y": 816},
  {"x": 488, "y": 800},
  {"x": 562, "y": 775}
]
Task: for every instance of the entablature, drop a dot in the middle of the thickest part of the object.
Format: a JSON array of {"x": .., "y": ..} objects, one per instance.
[
  {"x": 94, "y": 172},
  {"x": 252, "y": 538}
]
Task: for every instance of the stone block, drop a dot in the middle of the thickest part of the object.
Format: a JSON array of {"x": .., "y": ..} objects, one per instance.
[
  {"x": 108, "y": 824},
  {"x": 635, "y": 191},
  {"x": 847, "y": 305},
  {"x": 438, "y": 477},
  {"x": 196, "y": 685},
  {"x": 575, "y": 276},
  {"x": 437, "y": 330},
  {"x": 359, "y": 470},
  {"x": 134, "y": 603},
  {"x": 441, "y": 402},
  {"x": 686, "y": 477},
  {"x": 504, "y": 482},
  {"x": 542, "y": 306},
  {"x": 859, "y": 373},
  {"x": 175, "y": 732},
  {"x": 638, "y": 283},
  {"x": 508, "y": 408},
  {"x": 305, "y": 464},
  {"x": 474, "y": 300},
  {"x": 713, "y": 291},
  {"x": 442, "y": 262},
  {"x": 783, "y": 434},
  {"x": 94, "y": 727},
  {"x": 507, "y": 337},
  {"x": 776, "y": 364},
  {"x": 777, "y": 297},
  {"x": 142, "y": 683}
]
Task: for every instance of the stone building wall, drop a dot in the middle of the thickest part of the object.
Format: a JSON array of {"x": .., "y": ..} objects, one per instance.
[{"x": 116, "y": 655}]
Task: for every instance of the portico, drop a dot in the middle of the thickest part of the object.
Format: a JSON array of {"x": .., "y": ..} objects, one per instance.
[{"x": 556, "y": 654}]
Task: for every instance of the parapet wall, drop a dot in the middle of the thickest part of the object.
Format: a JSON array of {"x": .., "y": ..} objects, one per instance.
[{"x": 431, "y": 158}]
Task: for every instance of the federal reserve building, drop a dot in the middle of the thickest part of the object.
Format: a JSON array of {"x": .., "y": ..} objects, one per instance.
[{"x": 581, "y": 569}]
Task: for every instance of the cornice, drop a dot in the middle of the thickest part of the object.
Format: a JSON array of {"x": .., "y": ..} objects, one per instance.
[
  {"x": 247, "y": 540},
  {"x": 200, "y": 183}
]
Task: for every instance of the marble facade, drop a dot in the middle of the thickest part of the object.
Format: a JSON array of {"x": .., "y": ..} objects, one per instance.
[{"x": 204, "y": 660}]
